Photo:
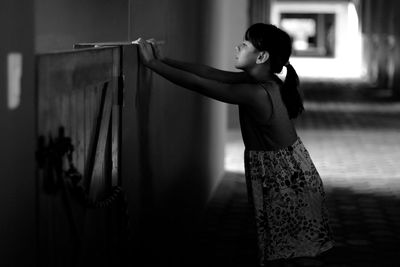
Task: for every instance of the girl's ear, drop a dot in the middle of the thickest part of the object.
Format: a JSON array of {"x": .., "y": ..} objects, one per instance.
[{"x": 262, "y": 57}]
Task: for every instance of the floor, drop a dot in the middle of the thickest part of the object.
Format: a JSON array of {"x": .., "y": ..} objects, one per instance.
[{"x": 352, "y": 132}]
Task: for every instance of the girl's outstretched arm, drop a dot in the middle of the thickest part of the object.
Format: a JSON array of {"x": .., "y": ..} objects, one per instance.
[
  {"x": 225, "y": 92},
  {"x": 199, "y": 69},
  {"x": 209, "y": 72}
]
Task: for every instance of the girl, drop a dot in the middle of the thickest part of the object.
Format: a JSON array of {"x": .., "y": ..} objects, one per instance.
[{"x": 283, "y": 185}]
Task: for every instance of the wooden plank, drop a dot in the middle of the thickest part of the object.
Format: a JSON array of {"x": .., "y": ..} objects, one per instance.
[
  {"x": 116, "y": 131},
  {"x": 80, "y": 130},
  {"x": 115, "y": 146},
  {"x": 90, "y": 93},
  {"x": 97, "y": 182},
  {"x": 62, "y": 127}
]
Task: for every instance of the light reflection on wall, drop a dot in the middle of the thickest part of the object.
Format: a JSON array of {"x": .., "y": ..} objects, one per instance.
[{"x": 345, "y": 62}]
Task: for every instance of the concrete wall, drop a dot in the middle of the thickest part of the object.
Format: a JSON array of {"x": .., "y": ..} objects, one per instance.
[
  {"x": 381, "y": 31},
  {"x": 62, "y": 23},
  {"x": 17, "y": 186},
  {"x": 226, "y": 23}
]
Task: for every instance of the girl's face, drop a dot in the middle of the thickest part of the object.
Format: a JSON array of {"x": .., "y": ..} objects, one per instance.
[{"x": 246, "y": 55}]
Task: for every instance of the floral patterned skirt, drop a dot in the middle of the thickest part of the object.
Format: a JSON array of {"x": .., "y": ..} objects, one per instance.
[{"x": 288, "y": 198}]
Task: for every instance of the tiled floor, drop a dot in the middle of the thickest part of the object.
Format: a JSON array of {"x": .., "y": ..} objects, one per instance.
[{"x": 355, "y": 145}]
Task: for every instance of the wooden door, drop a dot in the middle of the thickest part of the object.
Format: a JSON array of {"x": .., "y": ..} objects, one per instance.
[{"x": 80, "y": 203}]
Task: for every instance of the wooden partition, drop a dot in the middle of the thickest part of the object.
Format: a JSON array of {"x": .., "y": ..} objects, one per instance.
[
  {"x": 81, "y": 215},
  {"x": 126, "y": 191}
]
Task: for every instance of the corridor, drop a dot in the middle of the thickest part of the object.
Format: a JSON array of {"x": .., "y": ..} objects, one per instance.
[
  {"x": 353, "y": 138},
  {"x": 107, "y": 163}
]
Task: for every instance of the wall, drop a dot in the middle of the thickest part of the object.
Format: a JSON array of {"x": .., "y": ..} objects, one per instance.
[
  {"x": 381, "y": 30},
  {"x": 62, "y": 23},
  {"x": 17, "y": 188},
  {"x": 226, "y": 23}
]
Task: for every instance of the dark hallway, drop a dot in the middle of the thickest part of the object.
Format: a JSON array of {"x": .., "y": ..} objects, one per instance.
[
  {"x": 148, "y": 174},
  {"x": 352, "y": 135}
]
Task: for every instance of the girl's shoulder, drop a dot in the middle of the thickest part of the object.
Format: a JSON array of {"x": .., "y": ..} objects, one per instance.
[
  {"x": 270, "y": 85},
  {"x": 263, "y": 90}
]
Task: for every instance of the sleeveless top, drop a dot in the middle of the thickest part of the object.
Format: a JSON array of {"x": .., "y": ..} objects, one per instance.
[{"x": 267, "y": 136}]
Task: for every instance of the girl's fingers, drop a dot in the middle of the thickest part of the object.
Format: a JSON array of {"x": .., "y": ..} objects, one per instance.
[
  {"x": 155, "y": 47},
  {"x": 146, "y": 50},
  {"x": 152, "y": 41},
  {"x": 142, "y": 49}
]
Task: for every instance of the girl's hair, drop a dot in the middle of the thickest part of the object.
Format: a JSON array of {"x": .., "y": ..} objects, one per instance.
[{"x": 267, "y": 37}]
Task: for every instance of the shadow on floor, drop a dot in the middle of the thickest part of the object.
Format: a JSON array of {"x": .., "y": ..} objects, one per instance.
[{"x": 366, "y": 228}]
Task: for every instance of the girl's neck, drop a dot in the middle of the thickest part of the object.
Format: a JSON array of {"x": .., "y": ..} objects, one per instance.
[{"x": 261, "y": 73}]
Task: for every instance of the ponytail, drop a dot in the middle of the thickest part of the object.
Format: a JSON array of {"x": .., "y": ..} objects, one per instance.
[{"x": 290, "y": 93}]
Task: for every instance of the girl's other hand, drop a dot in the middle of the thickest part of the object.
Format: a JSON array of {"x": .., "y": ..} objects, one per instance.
[
  {"x": 157, "y": 48},
  {"x": 146, "y": 52}
]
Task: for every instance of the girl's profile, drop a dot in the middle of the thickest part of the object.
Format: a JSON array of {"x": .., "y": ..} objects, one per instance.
[{"x": 283, "y": 185}]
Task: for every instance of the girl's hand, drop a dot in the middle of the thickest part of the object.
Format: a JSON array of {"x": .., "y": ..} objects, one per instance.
[
  {"x": 146, "y": 52},
  {"x": 157, "y": 49}
]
